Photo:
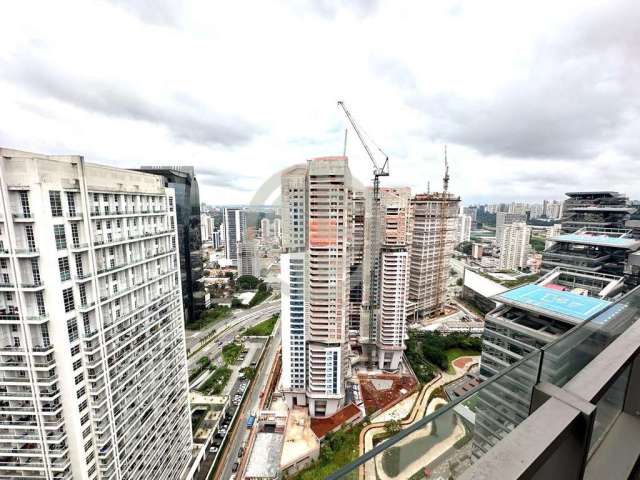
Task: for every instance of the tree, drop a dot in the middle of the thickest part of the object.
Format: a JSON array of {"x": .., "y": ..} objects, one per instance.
[
  {"x": 392, "y": 427},
  {"x": 247, "y": 282},
  {"x": 464, "y": 247},
  {"x": 459, "y": 282},
  {"x": 248, "y": 372},
  {"x": 537, "y": 243}
]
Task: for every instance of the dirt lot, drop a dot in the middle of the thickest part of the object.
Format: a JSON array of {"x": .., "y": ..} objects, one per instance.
[{"x": 375, "y": 398}]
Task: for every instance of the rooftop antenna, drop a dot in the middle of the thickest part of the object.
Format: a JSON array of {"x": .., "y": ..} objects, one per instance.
[{"x": 445, "y": 180}]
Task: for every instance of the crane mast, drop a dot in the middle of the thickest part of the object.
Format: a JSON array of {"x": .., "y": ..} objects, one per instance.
[{"x": 442, "y": 234}]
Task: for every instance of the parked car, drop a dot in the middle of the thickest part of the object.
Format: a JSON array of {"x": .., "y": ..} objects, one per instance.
[{"x": 234, "y": 469}]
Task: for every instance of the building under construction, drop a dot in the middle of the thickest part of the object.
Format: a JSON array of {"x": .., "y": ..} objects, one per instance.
[{"x": 434, "y": 217}]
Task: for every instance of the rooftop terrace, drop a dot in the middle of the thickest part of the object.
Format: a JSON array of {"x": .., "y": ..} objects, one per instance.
[
  {"x": 603, "y": 237},
  {"x": 552, "y": 302}
]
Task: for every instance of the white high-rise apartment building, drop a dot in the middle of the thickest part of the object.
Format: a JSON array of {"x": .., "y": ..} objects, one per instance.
[
  {"x": 552, "y": 209},
  {"x": 277, "y": 227},
  {"x": 235, "y": 230},
  {"x": 317, "y": 200},
  {"x": 463, "y": 230},
  {"x": 553, "y": 231},
  {"x": 93, "y": 378},
  {"x": 265, "y": 229},
  {"x": 514, "y": 246},
  {"x": 294, "y": 195},
  {"x": 536, "y": 210},
  {"x": 247, "y": 258},
  {"x": 503, "y": 219},
  {"x": 206, "y": 227},
  {"x": 393, "y": 284}
]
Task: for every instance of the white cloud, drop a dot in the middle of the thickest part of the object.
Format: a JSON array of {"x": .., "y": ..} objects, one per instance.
[{"x": 532, "y": 99}]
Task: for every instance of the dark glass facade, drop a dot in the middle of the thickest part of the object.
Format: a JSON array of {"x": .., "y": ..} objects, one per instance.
[{"x": 183, "y": 181}]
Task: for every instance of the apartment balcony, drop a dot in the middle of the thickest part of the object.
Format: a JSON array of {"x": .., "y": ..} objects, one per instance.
[
  {"x": 83, "y": 277},
  {"x": 32, "y": 286},
  {"x": 78, "y": 247},
  {"x": 532, "y": 419},
  {"x": 6, "y": 318},
  {"x": 26, "y": 252},
  {"x": 22, "y": 217},
  {"x": 85, "y": 307}
]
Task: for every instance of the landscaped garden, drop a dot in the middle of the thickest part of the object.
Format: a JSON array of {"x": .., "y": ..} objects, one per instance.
[
  {"x": 231, "y": 352},
  {"x": 337, "y": 450},
  {"x": 209, "y": 317},
  {"x": 262, "y": 329},
  {"x": 429, "y": 352},
  {"x": 214, "y": 385}
]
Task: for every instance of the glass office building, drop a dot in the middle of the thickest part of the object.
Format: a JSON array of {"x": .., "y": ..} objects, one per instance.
[{"x": 183, "y": 180}]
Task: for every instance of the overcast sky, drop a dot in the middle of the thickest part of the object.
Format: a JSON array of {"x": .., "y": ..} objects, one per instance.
[{"x": 533, "y": 98}]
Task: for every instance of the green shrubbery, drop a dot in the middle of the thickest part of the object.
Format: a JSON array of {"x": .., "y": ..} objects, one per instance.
[
  {"x": 262, "y": 329},
  {"x": 203, "y": 363},
  {"x": 231, "y": 352},
  {"x": 209, "y": 316},
  {"x": 337, "y": 450},
  {"x": 216, "y": 381},
  {"x": 247, "y": 282},
  {"x": 427, "y": 351}
]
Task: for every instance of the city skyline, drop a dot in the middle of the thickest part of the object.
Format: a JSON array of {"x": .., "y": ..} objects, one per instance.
[{"x": 552, "y": 99}]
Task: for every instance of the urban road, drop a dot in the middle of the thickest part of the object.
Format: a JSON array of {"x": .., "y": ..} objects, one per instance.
[
  {"x": 240, "y": 433},
  {"x": 228, "y": 330}
]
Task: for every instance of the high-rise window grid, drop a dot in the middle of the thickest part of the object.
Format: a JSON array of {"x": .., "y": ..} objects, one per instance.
[
  {"x": 24, "y": 204},
  {"x": 65, "y": 271},
  {"x": 60, "y": 237},
  {"x": 75, "y": 236},
  {"x": 31, "y": 240},
  {"x": 71, "y": 204},
  {"x": 56, "y": 203},
  {"x": 40, "y": 304},
  {"x": 35, "y": 271},
  {"x": 67, "y": 298}
]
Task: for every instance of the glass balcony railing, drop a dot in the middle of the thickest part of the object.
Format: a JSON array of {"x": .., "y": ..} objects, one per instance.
[{"x": 452, "y": 437}]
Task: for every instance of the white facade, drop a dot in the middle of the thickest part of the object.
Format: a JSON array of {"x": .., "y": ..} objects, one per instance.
[
  {"x": 206, "y": 227},
  {"x": 463, "y": 230},
  {"x": 536, "y": 210},
  {"x": 553, "y": 231},
  {"x": 277, "y": 227},
  {"x": 294, "y": 195},
  {"x": 235, "y": 230},
  {"x": 265, "y": 229},
  {"x": 247, "y": 258},
  {"x": 94, "y": 380},
  {"x": 394, "y": 274},
  {"x": 514, "y": 246},
  {"x": 552, "y": 209},
  {"x": 503, "y": 219}
]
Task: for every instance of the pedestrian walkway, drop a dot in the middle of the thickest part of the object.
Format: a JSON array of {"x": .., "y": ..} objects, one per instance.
[{"x": 421, "y": 407}]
